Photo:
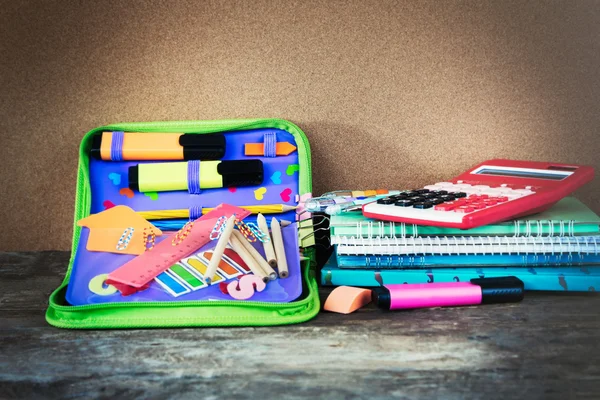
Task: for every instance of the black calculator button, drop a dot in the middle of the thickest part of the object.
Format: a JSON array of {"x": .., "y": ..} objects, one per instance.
[
  {"x": 421, "y": 191},
  {"x": 435, "y": 201},
  {"x": 423, "y": 204},
  {"x": 440, "y": 192},
  {"x": 417, "y": 199},
  {"x": 404, "y": 203},
  {"x": 459, "y": 195},
  {"x": 429, "y": 195},
  {"x": 411, "y": 193},
  {"x": 387, "y": 200},
  {"x": 447, "y": 197}
]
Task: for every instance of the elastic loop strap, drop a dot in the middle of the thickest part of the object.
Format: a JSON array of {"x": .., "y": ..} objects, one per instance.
[
  {"x": 270, "y": 144},
  {"x": 194, "y": 176},
  {"x": 195, "y": 212},
  {"x": 116, "y": 146}
]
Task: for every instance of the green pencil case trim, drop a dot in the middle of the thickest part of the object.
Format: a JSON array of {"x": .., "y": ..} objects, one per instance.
[{"x": 185, "y": 313}]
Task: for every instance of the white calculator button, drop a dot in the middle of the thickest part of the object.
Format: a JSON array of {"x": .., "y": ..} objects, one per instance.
[
  {"x": 463, "y": 186},
  {"x": 433, "y": 187},
  {"x": 495, "y": 191},
  {"x": 512, "y": 195},
  {"x": 459, "y": 181},
  {"x": 528, "y": 187},
  {"x": 523, "y": 192},
  {"x": 504, "y": 185},
  {"x": 470, "y": 190},
  {"x": 444, "y": 184},
  {"x": 481, "y": 187}
]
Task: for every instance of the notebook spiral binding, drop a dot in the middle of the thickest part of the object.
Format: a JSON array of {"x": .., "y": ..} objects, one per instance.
[
  {"x": 466, "y": 245},
  {"x": 539, "y": 224},
  {"x": 532, "y": 228}
]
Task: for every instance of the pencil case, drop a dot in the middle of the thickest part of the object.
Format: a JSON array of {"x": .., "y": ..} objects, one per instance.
[{"x": 107, "y": 178}]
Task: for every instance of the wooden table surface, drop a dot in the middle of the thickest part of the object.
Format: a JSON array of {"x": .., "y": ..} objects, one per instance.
[{"x": 546, "y": 347}]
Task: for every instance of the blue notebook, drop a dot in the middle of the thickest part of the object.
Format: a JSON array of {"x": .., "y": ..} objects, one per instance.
[{"x": 567, "y": 278}]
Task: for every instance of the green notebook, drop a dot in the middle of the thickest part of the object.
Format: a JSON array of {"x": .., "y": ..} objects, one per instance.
[{"x": 566, "y": 218}]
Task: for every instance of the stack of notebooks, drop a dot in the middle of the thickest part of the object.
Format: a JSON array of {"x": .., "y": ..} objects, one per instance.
[{"x": 558, "y": 249}]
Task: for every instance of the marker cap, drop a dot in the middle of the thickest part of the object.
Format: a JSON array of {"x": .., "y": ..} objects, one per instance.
[
  {"x": 133, "y": 179},
  {"x": 96, "y": 144},
  {"x": 504, "y": 289},
  {"x": 380, "y": 296},
  {"x": 241, "y": 172},
  {"x": 202, "y": 147}
]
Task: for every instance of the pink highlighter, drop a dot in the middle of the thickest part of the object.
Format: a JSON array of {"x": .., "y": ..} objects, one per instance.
[{"x": 508, "y": 289}]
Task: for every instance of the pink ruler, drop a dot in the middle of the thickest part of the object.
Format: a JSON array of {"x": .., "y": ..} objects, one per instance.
[{"x": 137, "y": 273}]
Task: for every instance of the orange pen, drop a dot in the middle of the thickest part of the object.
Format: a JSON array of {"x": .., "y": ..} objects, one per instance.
[{"x": 128, "y": 146}]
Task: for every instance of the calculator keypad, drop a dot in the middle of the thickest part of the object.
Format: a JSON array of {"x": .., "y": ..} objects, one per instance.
[{"x": 444, "y": 199}]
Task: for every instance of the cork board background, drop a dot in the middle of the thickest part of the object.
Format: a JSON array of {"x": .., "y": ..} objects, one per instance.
[{"x": 390, "y": 94}]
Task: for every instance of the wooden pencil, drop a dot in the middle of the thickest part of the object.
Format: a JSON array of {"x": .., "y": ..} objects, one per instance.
[
  {"x": 239, "y": 248},
  {"x": 267, "y": 244},
  {"x": 256, "y": 255},
  {"x": 282, "y": 266},
  {"x": 218, "y": 251}
]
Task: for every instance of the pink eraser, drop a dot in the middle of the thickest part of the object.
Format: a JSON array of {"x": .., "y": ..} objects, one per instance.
[{"x": 347, "y": 299}]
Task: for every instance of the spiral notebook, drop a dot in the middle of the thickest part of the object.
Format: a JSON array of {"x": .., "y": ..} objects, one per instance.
[
  {"x": 467, "y": 245},
  {"x": 466, "y": 251},
  {"x": 568, "y": 217}
]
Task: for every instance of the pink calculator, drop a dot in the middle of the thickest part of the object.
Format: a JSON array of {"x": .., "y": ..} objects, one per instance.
[{"x": 493, "y": 191}]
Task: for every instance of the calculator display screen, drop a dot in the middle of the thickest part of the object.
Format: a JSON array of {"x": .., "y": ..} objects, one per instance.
[{"x": 554, "y": 175}]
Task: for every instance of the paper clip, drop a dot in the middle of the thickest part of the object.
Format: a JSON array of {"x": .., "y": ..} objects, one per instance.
[
  {"x": 125, "y": 238},
  {"x": 182, "y": 233},
  {"x": 149, "y": 238},
  {"x": 262, "y": 236},
  {"x": 245, "y": 230},
  {"x": 218, "y": 228}
]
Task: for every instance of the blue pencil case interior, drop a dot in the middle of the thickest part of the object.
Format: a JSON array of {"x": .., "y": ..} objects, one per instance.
[{"x": 109, "y": 185}]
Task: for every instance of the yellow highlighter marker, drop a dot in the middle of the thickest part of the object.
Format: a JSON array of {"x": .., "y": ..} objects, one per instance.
[{"x": 194, "y": 175}]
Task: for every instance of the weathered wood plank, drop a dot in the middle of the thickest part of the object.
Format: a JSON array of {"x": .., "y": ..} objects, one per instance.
[{"x": 545, "y": 347}]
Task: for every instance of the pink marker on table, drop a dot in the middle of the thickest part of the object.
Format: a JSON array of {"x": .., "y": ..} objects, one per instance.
[{"x": 478, "y": 291}]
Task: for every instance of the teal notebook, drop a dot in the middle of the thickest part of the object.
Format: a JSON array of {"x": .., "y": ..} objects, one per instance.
[
  {"x": 564, "y": 278},
  {"x": 568, "y": 217}
]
